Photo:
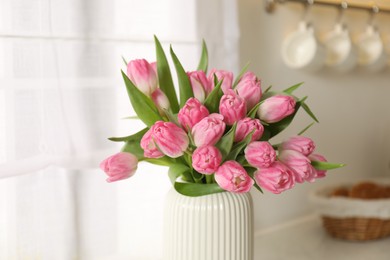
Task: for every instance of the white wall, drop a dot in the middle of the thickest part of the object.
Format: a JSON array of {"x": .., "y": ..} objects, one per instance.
[{"x": 353, "y": 108}]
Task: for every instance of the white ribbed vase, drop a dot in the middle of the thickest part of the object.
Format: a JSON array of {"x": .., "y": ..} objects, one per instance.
[{"x": 212, "y": 227}]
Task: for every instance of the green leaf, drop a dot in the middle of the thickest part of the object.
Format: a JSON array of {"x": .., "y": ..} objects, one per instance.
[
  {"x": 176, "y": 170},
  {"x": 225, "y": 144},
  {"x": 291, "y": 89},
  {"x": 197, "y": 189},
  {"x": 163, "y": 161},
  {"x": 131, "y": 117},
  {"x": 239, "y": 147},
  {"x": 212, "y": 100},
  {"x": 172, "y": 117},
  {"x": 238, "y": 78},
  {"x": 204, "y": 58},
  {"x": 326, "y": 165},
  {"x": 252, "y": 113},
  {"x": 143, "y": 106},
  {"x": 124, "y": 61},
  {"x": 165, "y": 77},
  {"x": 267, "y": 89},
  {"x": 269, "y": 94},
  {"x": 251, "y": 171},
  {"x": 302, "y": 99},
  {"x": 132, "y": 144},
  {"x": 136, "y": 137},
  {"x": 197, "y": 176},
  {"x": 306, "y": 128},
  {"x": 266, "y": 135},
  {"x": 184, "y": 81},
  {"x": 241, "y": 159},
  {"x": 308, "y": 111}
]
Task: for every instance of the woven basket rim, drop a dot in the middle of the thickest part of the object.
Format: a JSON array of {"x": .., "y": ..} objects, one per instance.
[{"x": 342, "y": 207}]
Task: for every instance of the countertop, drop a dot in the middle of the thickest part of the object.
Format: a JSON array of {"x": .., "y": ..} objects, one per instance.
[{"x": 306, "y": 239}]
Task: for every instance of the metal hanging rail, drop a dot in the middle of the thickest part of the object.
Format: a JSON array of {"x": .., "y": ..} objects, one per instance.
[{"x": 367, "y": 6}]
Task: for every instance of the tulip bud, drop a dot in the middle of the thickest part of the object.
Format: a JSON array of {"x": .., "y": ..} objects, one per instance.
[
  {"x": 232, "y": 107},
  {"x": 249, "y": 89},
  {"x": 299, "y": 164},
  {"x": 119, "y": 166},
  {"x": 246, "y": 126},
  {"x": 224, "y": 75},
  {"x": 154, "y": 66},
  {"x": 301, "y": 144},
  {"x": 260, "y": 154},
  {"x": 191, "y": 113},
  {"x": 201, "y": 87},
  {"x": 275, "y": 108},
  {"x": 142, "y": 74},
  {"x": 276, "y": 178},
  {"x": 170, "y": 139},
  {"x": 231, "y": 176},
  {"x": 160, "y": 100},
  {"x": 209, "y": 130},
  {"x": 206, "y": 159},
  {"x": 149, "y": 146}
]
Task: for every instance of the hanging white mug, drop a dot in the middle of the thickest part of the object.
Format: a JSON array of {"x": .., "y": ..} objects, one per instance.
[
  {"x": 371, "y": 50},
  {"x": 340, "y": 52},
  {"x": 301, "y": 50}
]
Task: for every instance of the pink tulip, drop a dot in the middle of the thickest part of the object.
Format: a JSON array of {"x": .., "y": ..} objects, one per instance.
[
  {"x": 224, "y": 75},
  {"x": 260, "y": 154},
  {"x": 206, "y": 159},
  {"x": 191, "y": 113},
  {"x": 209, "y": 130},
  {"x": 201, "y": 87},
  {"x": 320, "y": 158},
  {"x": 301, "y": 144},
  {"x": 231, "y": 176},
  {"x": 249, "y": 88},
  {"x": 154, "y": 66},
  {"x": 119, "y": 166},
  {"x": 246, "y": 126},
  {"x": 299, "y": 164},
  {"x": 170, "y": 139},
  {"x": 142, "y": 74},
  {"x": 276, "y": 179},
  {"x": 149, "y": 146},
  {"x": 232, "y": 107},
  {"x": 161, "y": 100},
  {"x": 275, "y": 108}
]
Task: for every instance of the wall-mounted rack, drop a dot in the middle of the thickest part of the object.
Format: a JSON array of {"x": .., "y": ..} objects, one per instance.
[{"x": 359, "y": 5}]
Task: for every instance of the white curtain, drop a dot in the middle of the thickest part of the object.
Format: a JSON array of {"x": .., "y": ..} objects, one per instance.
[{"x": 61, "y": 96}]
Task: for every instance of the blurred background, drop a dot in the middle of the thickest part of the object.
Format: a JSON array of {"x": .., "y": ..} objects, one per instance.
[{"x": 61, "y": 96}]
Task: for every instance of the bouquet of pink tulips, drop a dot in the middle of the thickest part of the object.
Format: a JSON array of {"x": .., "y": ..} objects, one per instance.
[{"x": 216, "y": 137}]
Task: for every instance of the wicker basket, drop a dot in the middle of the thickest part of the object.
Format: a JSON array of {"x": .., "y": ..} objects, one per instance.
[
  {"x": 352, "y": 219},
  {"x": 357, "y": 229}
]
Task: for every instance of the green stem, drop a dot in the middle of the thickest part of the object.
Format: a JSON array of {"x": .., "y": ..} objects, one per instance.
[{"x": 209, "y": 179}]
